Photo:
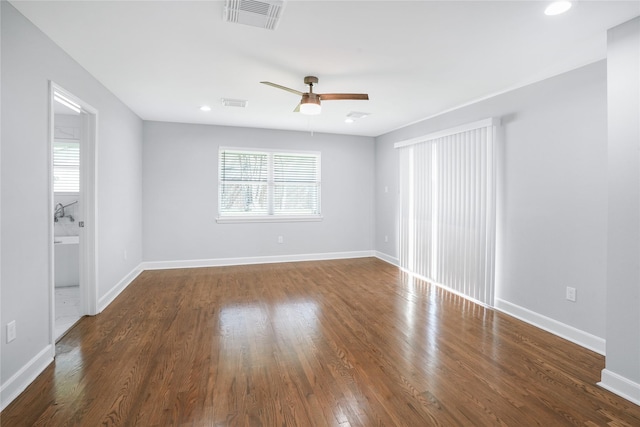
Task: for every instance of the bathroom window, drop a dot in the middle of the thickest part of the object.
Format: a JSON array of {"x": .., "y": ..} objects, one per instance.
[
  {"x": 261, "y": 185},
  {"x": 66, "y": 167}
]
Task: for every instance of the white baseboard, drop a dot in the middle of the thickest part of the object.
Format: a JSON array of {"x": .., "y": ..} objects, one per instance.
[
  {"x": 26, "y": 375},
  {"x": 108, "y": 298},
  {"x": 620, "y": 385},
  {"x": 560, "y": 329},
  {"x": 220, "y": 262},
  {"x": 388, "y": 258}
]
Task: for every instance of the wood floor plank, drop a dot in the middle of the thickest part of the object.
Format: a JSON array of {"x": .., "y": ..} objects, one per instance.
[{"x": 330, "y": 343}]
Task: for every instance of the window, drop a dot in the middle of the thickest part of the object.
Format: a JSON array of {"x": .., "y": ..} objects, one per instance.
[
  {"x": 66, "y": 167},
  {"x": 268, "y": 185}
]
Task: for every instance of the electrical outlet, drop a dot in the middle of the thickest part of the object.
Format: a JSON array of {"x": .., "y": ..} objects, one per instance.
[
  {"x": 571, "y": 293},
  {"x": 11, "y": 331},
  {"x": 124, "y": 255},
  {"x": 280, "y": 239},
  {"x": 386, "y": 239}
]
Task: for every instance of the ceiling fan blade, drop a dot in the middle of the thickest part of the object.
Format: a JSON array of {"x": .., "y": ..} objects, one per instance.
[
  {"x": 297, "y": 92},
  {"x": 338, "y": 96},
  {"x": 297, "y": 109}
]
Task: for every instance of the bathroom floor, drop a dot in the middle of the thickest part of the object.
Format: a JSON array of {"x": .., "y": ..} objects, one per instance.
[{"x": 67, "y": 309}]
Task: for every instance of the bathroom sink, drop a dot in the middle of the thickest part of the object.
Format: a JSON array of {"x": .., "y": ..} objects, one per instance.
[{"x": 66, "y": 240}]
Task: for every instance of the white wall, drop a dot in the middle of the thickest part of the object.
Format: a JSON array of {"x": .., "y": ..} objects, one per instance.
[
  {"x": 622, "y": 373},
  {"x": 181, "y": 193},
  {"x": 29, "y": 61},
  {"x": 553, "y": 218}
]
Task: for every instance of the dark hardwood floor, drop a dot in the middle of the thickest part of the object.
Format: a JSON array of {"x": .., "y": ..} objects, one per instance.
[{"x": 331, "y": 343}]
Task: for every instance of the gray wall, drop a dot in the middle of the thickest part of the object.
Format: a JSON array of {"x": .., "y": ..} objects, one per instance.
[
  {"x": 554, "y": 194},
  {"x": 180, "y": 195},
  {"x": 29, "y": 61},
  {"x": 623, "y": 273}
]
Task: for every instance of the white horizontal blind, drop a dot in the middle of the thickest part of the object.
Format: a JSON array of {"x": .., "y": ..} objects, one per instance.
[
  {"x": 66, "y": 166},
  {"x": 243, "y": 183},
  {"x": 447, "y": 211},
  {"x": 259, "y": 184},
  {"x": 296, "y": 180}
]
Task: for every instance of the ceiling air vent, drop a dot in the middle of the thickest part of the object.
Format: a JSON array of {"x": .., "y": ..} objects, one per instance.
[
  {"x": 262, "y": 14},
  {"x": 228, "y": 102}
]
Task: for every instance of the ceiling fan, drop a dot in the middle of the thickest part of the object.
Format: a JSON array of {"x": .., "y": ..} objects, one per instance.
[{"x": 310, "y": 102}]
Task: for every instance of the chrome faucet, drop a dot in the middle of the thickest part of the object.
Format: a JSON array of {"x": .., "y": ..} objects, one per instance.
[{"x": 59, "y": 212}]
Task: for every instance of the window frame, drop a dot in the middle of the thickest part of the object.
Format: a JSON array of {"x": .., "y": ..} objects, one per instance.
[{"x": 271, "y": 184}]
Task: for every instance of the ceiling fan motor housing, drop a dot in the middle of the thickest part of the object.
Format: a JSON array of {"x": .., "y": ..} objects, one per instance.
[
  {"x": 311, "y": 98},
  {"x": 310, "y": 80}
]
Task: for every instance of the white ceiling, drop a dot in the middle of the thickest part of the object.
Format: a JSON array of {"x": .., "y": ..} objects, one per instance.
[{"x": 415, "y": 59}]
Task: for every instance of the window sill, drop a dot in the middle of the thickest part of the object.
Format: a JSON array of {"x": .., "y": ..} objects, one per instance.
[{"x": 249, "y": 219}]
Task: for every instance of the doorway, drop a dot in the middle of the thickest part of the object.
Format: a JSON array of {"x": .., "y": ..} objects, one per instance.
[{"x": 72, "y": 201}]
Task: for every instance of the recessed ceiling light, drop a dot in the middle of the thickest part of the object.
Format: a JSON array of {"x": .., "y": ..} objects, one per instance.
[
  {"x": 557, "y": 7},
  {"x": 205, "y": 108},
  {"x": 355, "y": 115}
]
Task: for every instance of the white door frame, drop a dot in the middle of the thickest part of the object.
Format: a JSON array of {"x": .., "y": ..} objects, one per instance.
[{"x": 87, "y": 208}]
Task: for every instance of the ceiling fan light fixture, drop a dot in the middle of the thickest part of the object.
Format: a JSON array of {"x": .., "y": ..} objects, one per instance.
[
  {"x": 310, "y": 105},
  {"x": 310, "y": 109}
]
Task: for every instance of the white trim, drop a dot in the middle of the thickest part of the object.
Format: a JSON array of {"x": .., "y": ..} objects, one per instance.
[
  {"x": 271, "y": 218},
  {"x": 620, "y": 385},
  {"x": 387, "y": 258},
  {"x": 89, "y": 189},
  {"x": 220, "y": 262},
  {"x": 15, "y": 385},
  {"x": 560, "y": 329},
  {"x": 51, "y": 229},
  {"x": 492, "y": 121},
  {"x": 113, "y": 293}
]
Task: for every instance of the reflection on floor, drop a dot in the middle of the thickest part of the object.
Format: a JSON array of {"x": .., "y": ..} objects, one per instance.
[{"x": 67, "y": 309}]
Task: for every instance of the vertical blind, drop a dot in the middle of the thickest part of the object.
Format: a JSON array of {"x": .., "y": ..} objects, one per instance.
[
  {"x": 254, "y": 183},
  {"x": 66, "y": 166},
  {"x": 448, "y": 209}
]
